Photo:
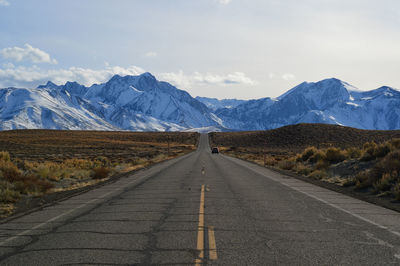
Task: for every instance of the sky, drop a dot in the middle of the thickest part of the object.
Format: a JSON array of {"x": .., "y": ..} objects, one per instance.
[{"x": 243, "y": 49}]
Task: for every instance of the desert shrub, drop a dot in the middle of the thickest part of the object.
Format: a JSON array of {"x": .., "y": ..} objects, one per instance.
[
  {"x": 302, "y": 169},
  {"x": 369, "y": 151},
  {"x": 271, "y": 161},
  {"x": 78, "y": 163},
  {"x": 4, "y": 156},
  {"x": 9, "y": 171},
  {"x": 353, "y": 153},
  {"x": 375, "y": 174},
  {"x": 100, "y": 172},
  {"x": 395, "y": 143},
  {"x": 286, "y": 164},
  {"x": 369, "y": 145},
  {"x": 310, "y": 151},
  {"x": 390, "y": 163},
  {"x": 80, "y": 173},
  {"x": 9, "y": 196},
  {"x": 383, "y": 184},
  {"x": 370, "y": 177},
  {"x": 362, "y": 179},
  {"x": 104, "y": 161},
  {"x": 350, "y": 182},
  {"x": 43, "y": 171},
  {"x": 382, "y": 150},
  {"x": 317, "y": 157},
  {"x": 321, "y": 165},
  {"x": 334, "y": 155},
  {"x": 318, "y": 174},
  {"x": 31, "y": 184}
]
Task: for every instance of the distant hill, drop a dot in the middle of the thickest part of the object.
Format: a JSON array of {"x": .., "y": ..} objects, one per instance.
[{"x": 300, "y": 136}]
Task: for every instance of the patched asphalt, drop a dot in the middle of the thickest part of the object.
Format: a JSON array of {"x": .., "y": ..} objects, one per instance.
[{"x": 151, "y": 217}]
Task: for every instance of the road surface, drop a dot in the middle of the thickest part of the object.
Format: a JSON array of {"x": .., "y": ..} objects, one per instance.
[{"x": 205, "y": 208}]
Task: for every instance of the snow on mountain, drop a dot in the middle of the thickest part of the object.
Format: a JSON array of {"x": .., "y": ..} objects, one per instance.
[
  {"x": 46, "y": 108},
  {"x": 142, "y": 103},
  {"x": 131, "y": 102},
  {"x": 139, "y": 103},
  {"x": 329, "y": 101},
  {"x": 215, "y": 104}
]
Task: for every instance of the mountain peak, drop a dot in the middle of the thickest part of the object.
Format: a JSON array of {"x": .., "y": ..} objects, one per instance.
[
  {"x": 387, "y": 88},
  {"x": 319, "y": 94},
  {"x": 72, "y": 83},
  {"x": 330, "y": 80},
  {"x": 49, "y": 84},
  {"x": 147, "y": 75},
  {"x": 115, "y": 77}
]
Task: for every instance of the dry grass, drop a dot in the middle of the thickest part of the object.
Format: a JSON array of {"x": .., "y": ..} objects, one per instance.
[
  {"x": 36, "y": 162},
  {"x": 117, "y": 147},
  {"x": 334, "y": 155},
  {"x": 367, "y": 160}
]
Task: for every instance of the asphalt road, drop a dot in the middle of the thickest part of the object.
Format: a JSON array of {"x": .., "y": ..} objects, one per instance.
[{"x": 205, "y": 208}]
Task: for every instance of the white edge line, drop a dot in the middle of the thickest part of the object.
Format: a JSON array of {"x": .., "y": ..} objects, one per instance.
[{"x": 322, "y": 200}]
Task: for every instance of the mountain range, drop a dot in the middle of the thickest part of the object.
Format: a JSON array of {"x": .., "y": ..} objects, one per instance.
[{"x": 142, "y": 103}]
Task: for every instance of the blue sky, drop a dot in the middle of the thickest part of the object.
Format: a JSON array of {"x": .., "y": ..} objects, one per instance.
[{"x": 216, "y": 48}]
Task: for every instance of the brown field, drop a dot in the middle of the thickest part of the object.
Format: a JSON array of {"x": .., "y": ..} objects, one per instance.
[
  {"x": 366, "y": 161},
  {"x": 289, "y": 140},
  {"x": 59, "y": 145},
  {"x": 39, "y": 162}
]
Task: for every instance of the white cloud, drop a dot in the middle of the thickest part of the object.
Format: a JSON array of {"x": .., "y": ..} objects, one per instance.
[
  {"x": 4, "y": 3},
  {"x": 27, "y": 53},
  {"x": 21, "y": 76},
  {"x": 288, "y": 76},
  {"x": 32, "y": 76},
  {"x": 272, "y": 75},
  {"x": 181, "y": 80},
  {"x": 224, "y": 2},
  {"x": 8, "y": 65},
  {"x": 150, "y": 54}
]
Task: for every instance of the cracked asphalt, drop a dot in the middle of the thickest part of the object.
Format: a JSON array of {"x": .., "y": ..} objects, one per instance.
[{"x": 258, "y": 217}]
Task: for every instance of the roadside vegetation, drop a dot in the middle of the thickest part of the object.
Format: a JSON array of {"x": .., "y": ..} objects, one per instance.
[
  {"x": 371, "y": 166},
  {"x": 34, "y": 163}
]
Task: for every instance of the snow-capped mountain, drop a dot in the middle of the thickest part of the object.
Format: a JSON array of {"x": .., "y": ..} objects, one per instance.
[
  {"x": 215, "y": 104},
  {"x": 329, "y": 101},
  {"x": 128, "y": 103},
  {"x": 46, "y": 108},
  {"x": 142, "y": 103}
]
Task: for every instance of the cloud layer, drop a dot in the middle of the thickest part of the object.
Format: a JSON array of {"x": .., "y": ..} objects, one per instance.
[
  {"x": 225, "y": 2},
  {"x": 27, "y": 53},
  {"x": 285, "y": 76},
  {"x": 32, "y": 76},
  {"x": 4, "y": 3},
  {"x": 150, "y": 54},
  {"x": 21, "y": 76},
  {"x": 182, "y": 80}
]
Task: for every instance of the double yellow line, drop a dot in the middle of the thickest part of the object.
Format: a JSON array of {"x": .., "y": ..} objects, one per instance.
[{"x": 212, "y": 248}]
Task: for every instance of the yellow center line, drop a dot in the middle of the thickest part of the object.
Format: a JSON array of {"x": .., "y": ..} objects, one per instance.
[
  {"x": 211, "y": 244},
  {"x": 200, "y": 232}
]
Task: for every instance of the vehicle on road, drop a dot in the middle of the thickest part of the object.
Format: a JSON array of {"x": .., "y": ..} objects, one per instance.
[{"x": 214, "y": 150}]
